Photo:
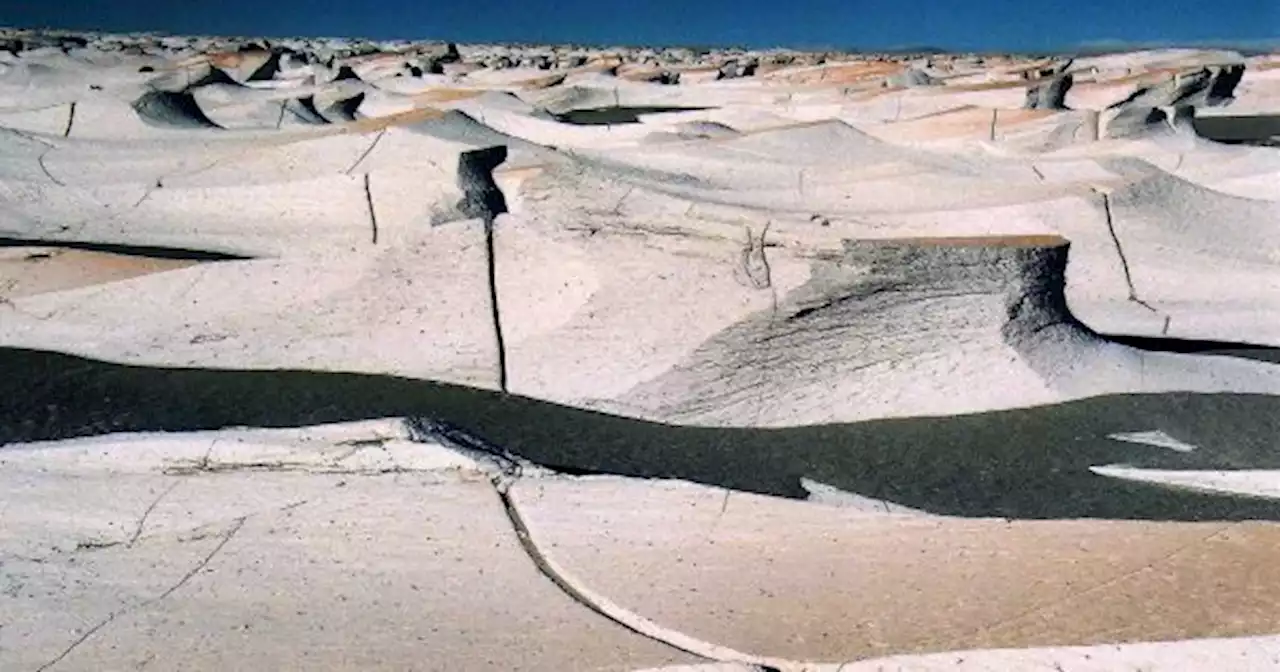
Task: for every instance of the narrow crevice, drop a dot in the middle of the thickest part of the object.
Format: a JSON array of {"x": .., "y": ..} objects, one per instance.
[
  {"x": 631, "y": 621},
  {"x": 45, "y": 169},
  {"x": 28, "y": 137},
  {"x": 368, "y": 150},
  {"x": 994, "y": 116},
  {"x": 505, "y": 469},
  {"x": 494, "y": 309},
  {"x": 159, "y": 184},
  {"x": 373, "y": 215},
  {"x": 142, "y": 520},
  {"x": 617, "y": 208},
  {"x": 1124, "y": 261},
  {"x": 484, "y": 200},
  {"x": 71, "y": 120},
  {"x": 754, "y": 261},
  {"x": 204, "y": 562}
]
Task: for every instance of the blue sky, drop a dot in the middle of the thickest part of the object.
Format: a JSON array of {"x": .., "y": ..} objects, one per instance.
[{"x": 1025, "y": 25}]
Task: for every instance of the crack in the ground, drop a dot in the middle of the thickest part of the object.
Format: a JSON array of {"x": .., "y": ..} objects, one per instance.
[
  {"x": 368, "y": 150},
  {"x": 71, "y": 119},
  {"x": 1124, "y": 261},
  {"x": 614, "y": 613},
  {"x": 283, "y": 467},
  {"x": 505, "y": 470},
  {"x": 146, "y": 193},
  {"x": 483, "y": 199},
  {"x": 373, "y": 215},
  {"x": 28, "y": 137},
  {"x": 459, "y": 440},
  {"x": 494, "y": 307},
  {"x": 617, "y": 207},
  {"x": 142, "y": 520},
  {"x": 45, "y": 169},
  {"x": 754, "y": 261},
  {"x": 182, "y": 581}
]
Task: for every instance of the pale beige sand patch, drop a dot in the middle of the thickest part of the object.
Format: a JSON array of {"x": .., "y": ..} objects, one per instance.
[
  {"x": 796, "y": 581},
  {"x": 27, "y": 271}
]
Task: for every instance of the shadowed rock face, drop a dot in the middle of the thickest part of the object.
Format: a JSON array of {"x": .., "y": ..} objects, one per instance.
[
  {"x": 1223, "y": 87},
  {"x": 481, "y": 196},
  {"x": 1039, "y": 326},
  {"x": 304, "y": 110},
  {"x": 911, "y": 78},
  {"x": 268, "y": 69},
  {"x": 167, "y": 109},
  {"x": 339, "y": 111},
  {"x": 1049, "y": 95},
  {"x": 735, "y": 69},
  {"x": 1173, "y": 101}
]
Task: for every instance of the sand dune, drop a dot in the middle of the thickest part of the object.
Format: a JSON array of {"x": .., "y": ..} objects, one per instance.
[{"x": 803, "y": 361}]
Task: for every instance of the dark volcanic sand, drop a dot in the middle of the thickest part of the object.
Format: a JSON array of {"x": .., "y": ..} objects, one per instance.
[
  {"x": 615, "y": 115},
  {"x": 1028, "y": 463},
  {"x": 1261, "y": 130}
]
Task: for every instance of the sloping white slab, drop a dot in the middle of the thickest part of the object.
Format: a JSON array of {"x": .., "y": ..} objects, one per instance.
[
  {"x": 1247, "y": 482},
  {"x": 1155, "y": 438}
]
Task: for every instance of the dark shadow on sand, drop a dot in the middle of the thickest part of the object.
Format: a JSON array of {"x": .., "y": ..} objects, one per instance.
[
  {"x": 600, "y": 116},
  {"x": 1030, "y": 463},
  {"x": 1261, "y": 353},
  {"x": 130, "y": 250},
  {"x": 1262, "y": 130}
]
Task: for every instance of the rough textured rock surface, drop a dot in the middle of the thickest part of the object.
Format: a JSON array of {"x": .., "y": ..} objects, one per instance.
[
  {"x": 166, "y": 109},
  {"x": 1050, "y": 94},
  {"x": 1173, "y": 101},
  {"x": 481, "y": 196},
  {"x": 840, "y": 323}
]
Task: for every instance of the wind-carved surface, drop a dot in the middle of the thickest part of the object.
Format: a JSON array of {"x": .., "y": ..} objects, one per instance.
[
  {"x": 481, "y": 196},
  {"x": 896, "y": 341},
  {"x": 876, "y": 303},
  {"x": 1049, "y": 95},
  {"x": 167, "y": 109},
  {"x": 1172, "y": 103},
  {"x": 337, "y": 111}
]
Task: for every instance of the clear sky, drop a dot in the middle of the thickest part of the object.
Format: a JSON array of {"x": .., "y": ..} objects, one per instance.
[{"x": 1026, "y": 25}]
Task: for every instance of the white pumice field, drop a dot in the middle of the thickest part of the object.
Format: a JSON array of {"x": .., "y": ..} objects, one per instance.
[{"x": 333, "y": 354}]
